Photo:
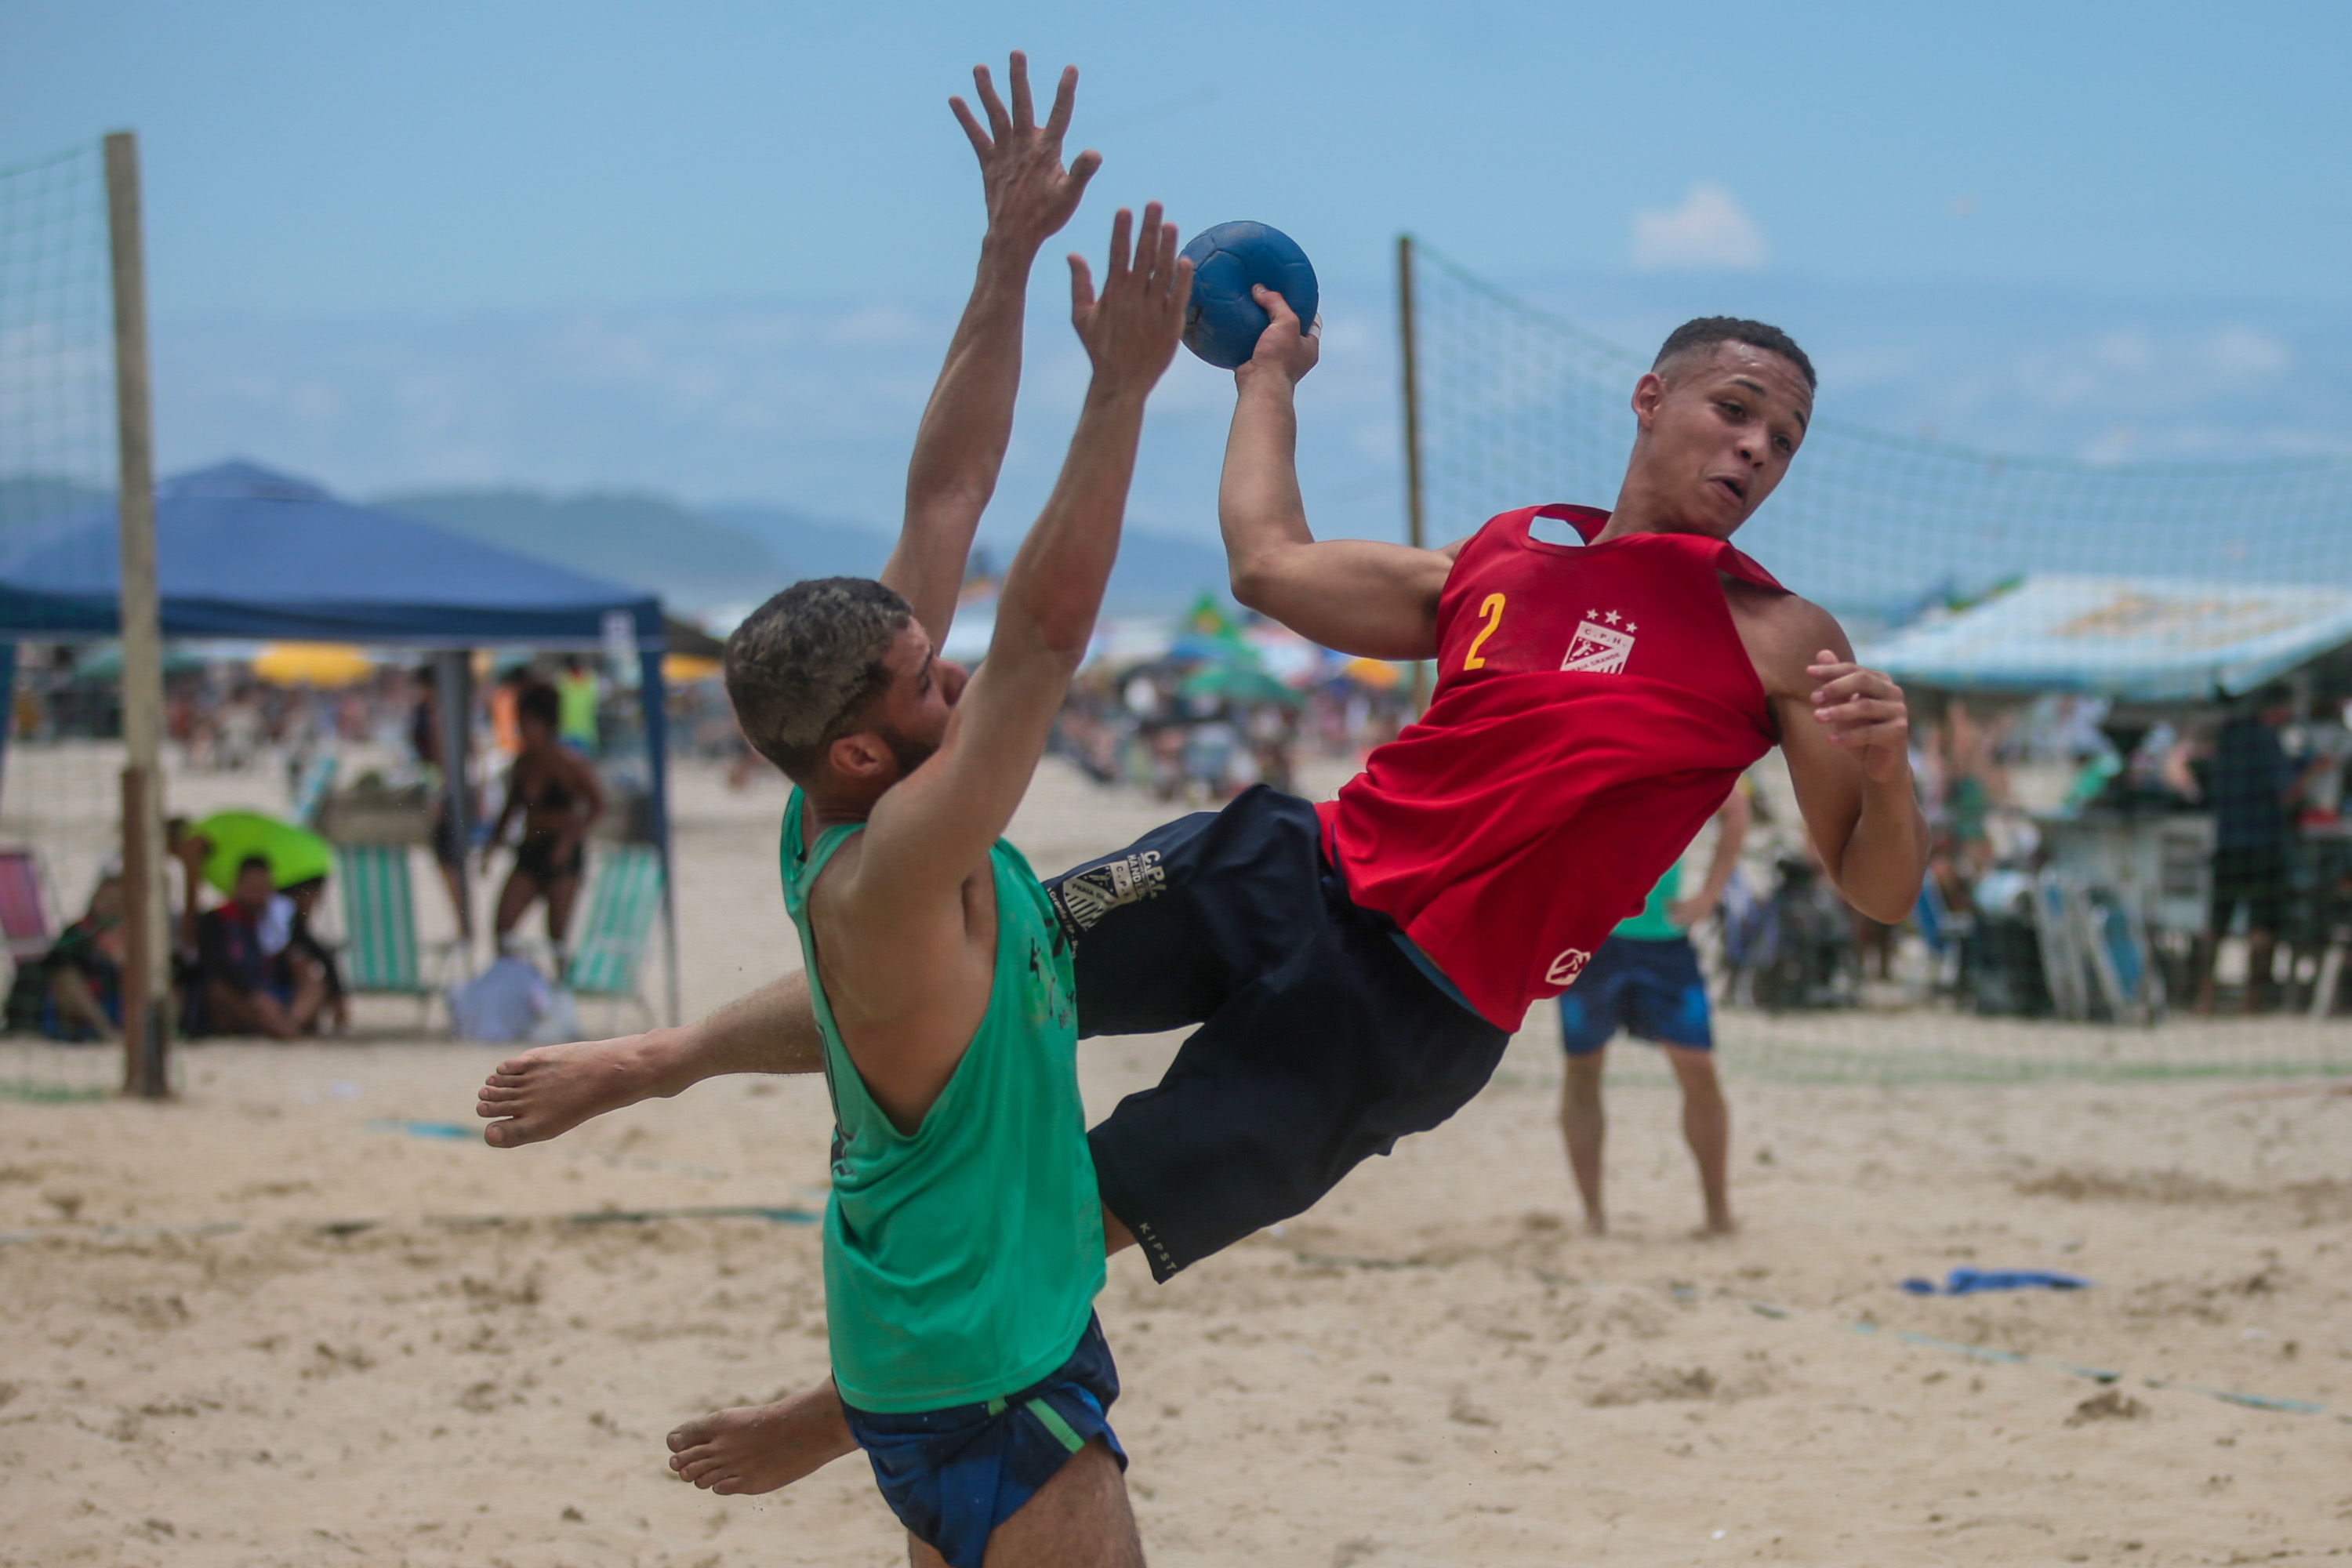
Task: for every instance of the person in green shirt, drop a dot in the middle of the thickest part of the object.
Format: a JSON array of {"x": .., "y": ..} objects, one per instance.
[
  {"x": 578, "y": 691},
  {"x": 1645, "y": 980},
  {"x": 963, "y": 1239}
]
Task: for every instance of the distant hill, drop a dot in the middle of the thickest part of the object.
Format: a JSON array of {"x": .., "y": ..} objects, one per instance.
[
  {"x": 27, "y": 498},
  {"x": 805, "y": 547},
  {"x": 1155, "y": 572},
  {"x": 646, "y": 542}
]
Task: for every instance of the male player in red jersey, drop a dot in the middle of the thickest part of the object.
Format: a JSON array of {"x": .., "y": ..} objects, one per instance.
[
  {"x": 1595, "y": 700},
  {"x": 1355, "y": 973}
]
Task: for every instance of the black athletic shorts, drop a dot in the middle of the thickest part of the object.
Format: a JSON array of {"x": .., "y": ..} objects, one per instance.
[
  {"x": 1319, "y": 1042},
  {"x": 535, "y": 858}
]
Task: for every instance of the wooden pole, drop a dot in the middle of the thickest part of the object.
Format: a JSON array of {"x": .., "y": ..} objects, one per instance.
[
  {"x": 1410, "y": 367},
  {"x": 147, "y": 975}
]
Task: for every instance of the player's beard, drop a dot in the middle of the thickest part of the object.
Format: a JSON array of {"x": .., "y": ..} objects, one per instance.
[{"x": 910, "y": 753}]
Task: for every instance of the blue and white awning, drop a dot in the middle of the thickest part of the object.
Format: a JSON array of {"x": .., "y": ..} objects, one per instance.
[{"x": 2146, "y": 639}]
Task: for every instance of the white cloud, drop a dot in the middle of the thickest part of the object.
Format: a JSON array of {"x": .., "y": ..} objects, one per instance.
[
  {"x": 1710, "y": 232},
  {"x": 2247, "y": 352}
]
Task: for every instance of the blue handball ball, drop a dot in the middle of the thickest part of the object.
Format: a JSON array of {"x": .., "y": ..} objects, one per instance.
[{"x": 1223, "y": 323}]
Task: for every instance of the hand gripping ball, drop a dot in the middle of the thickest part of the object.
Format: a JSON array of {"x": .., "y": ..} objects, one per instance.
[{"x": 1222, "y": 322}]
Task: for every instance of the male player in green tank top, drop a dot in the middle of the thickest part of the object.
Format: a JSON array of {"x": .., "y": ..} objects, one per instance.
[{"x": 963, "y": 1241}]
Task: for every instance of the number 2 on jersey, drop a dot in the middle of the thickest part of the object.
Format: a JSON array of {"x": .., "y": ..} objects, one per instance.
[{"x": 1493, "y": 610}]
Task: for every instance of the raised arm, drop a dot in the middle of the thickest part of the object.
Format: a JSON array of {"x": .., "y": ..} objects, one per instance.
[
  {"x": 927, "y": 834},
  {"x": 1356, "y": 596},
  {"x": 960, "y": 445}
]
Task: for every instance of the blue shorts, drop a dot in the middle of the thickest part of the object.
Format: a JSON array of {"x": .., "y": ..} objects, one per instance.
[
  {"x": 1652, "y": 989},
  {"x": 952, "y": 1475}
]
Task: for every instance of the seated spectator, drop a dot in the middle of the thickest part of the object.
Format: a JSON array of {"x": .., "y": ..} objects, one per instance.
[
  {"x": 245, "y": 987},
  {"x": 75, "y": 992},
  {"x": 306, "y": 955}
]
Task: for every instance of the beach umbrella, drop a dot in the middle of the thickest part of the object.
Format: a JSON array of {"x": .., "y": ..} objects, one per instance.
[
  {"x": 295, "y": 854},
  {"x": 323, "y": 665},
  {"x": 1240, "y": 685},
  {"x": 1377, "y": 675}
]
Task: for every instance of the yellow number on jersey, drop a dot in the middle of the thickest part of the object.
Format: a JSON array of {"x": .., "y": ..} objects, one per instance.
[{"x": 1493, "y": 610}]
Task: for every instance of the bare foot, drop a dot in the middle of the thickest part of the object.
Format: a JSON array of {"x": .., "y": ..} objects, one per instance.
[
  {"x": 551, "y": 1089},
  {"x": 760, "y": 1448},
  {"x": 1595, "y": 1223}
]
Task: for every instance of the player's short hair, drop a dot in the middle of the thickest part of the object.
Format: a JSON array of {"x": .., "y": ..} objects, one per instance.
[
  {"x": 1707, "y": 332},
  {"x": 804, "y": 667}
]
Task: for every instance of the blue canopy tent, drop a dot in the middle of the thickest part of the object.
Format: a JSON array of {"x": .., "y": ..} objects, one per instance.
[
  {"x": 2139, "y": 639},
  {"x": 243, "y": 553}
]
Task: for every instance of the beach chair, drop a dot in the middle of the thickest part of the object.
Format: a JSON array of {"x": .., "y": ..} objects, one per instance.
[
  {"x": 608, "y": 949},
  {"x": 24, "y": 922},
  {"x": 311, "y": 790},
  {"x": 381, "y": 954}
]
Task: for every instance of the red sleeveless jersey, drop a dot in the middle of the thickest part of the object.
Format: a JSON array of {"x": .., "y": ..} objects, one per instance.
[{"x": 1594, "y": 706}]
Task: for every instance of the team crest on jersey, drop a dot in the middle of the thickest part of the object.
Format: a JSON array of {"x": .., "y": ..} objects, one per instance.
[
  {"x": 1083, "y": 898},
  {"x": 1602, "y": 645},
  {"x": 1567, "y": 967}
]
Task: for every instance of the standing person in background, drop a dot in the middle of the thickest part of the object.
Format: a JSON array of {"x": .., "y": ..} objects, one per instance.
[
  {"x": 2253, "y": 792},
  {"x": 558, "y": 799},
  {"x": 579, "y": 691},
  {"x": 1646, "y": 979},
  {"x": 506, "y": 726},
  {"x": 448, "y": 834}
]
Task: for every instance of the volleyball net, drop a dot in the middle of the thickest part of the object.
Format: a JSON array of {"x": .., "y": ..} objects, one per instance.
[
  {"x": 60, "y": 802},
  {"x": 2072, "y": 637}
]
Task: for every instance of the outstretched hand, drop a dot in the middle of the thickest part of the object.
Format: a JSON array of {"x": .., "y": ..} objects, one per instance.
[
  {"x": 1285, "y": 348},
  {"x": 1030, "y": 195},
  {"x": 1866, "y": 713},
  {"x": 1131, "y": 331}
]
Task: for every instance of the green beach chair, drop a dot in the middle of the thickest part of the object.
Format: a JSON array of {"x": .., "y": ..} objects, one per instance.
[
  {"x": 609, "y": 940},
  {"x": 381, "y": 954}
]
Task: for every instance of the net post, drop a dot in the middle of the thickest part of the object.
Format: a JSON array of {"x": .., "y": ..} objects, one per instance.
[
  {"x": 1408, "y": 370},
  {"x": 146, "y": 986}
]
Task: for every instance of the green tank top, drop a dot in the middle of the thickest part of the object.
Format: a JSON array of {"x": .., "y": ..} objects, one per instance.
[
  {"x": 960, "y": 1263},
  {"x": 1653, "y": 923},
  {"x": 575, "y": 709}
]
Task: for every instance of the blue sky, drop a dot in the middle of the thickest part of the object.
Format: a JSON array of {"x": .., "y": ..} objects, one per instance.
[
  {"x": 714, "y": 249},
  {"x": 336, "y": 156}
]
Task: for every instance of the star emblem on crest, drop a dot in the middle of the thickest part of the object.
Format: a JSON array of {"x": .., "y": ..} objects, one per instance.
[{"x": 1614, "y": 617}]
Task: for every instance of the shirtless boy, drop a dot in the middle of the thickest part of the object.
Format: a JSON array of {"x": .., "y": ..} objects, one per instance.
[{"x": 1355, "y": 971}]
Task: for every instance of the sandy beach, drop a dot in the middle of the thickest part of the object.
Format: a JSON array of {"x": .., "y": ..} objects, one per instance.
[{"x": 293, "y": 1318}]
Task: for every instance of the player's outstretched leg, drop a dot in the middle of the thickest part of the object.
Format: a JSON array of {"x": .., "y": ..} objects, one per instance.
[{"x": 762, "y": 1447}]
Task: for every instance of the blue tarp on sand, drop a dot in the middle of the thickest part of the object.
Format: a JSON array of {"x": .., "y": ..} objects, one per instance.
[{"x": 2144, "y": 640}]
